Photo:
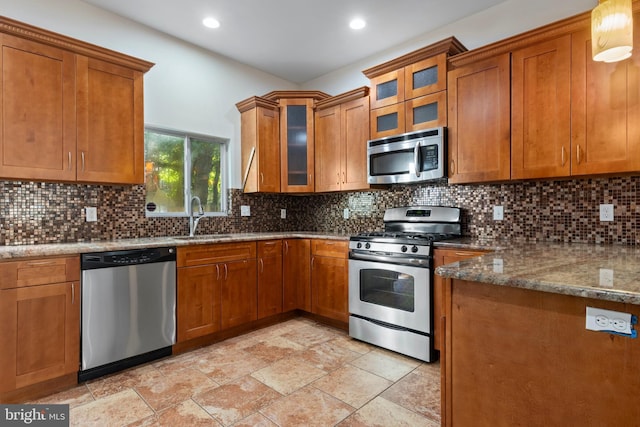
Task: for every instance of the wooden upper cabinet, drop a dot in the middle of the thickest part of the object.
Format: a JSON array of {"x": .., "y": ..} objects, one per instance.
[
  {"x": 296, "y": 145},
  {"x": 425, "y": 77},
  {"x": 541, "y": 110},
  {"x": 37, "y": 121},
  {"x": 260, "y": 145},
  {"x": 387, "y": 89},
  {"x": 605, "y": 110},
  {"x": 342, "y": 131},
  {"x": 110, "y": 122},
  {"x": 71, "y": 111},
  {"x": 479, "y": 121}
]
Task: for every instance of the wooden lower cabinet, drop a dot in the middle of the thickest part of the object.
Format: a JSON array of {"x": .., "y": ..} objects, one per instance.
[
  {"x": 39, "y": 326},
  {"x": 329, "y": 279},
  {"x": 296, "y": 272},
  {"x": 269, "y": 278},
  {"x": 216, "y": 289},
  {"x": 523, "y": 357}
]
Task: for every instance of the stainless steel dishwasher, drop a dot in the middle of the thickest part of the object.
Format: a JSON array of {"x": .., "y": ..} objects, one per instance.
[{"x": 128, "y": 309}]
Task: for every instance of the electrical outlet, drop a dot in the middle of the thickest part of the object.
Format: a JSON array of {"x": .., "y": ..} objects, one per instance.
[
  {"x": 283, "y": 213},
  {"x": 245, "y": 210},
  {"x": 599, "y": 319},
  {"x": 606, "y": 212},
  {"x": 91, "y": 214},
  {"x": 498, "y": 213},
  {"x": 345, "y": 213}
]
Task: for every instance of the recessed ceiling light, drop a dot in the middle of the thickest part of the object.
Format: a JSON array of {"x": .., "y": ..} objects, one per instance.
[
  {"x": 211, "y": 22},
  {"x": 357, "y": 24}
]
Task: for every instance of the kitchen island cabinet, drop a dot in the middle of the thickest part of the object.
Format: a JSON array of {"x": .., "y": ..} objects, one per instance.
[
  {"x": 330, "y": 279},
  {"x": 39, "y": 326}
]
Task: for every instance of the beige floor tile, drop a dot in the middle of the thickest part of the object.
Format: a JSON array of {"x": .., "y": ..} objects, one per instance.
[
  {"x": 352, "y": 385},
  {"x": 429, "y": 369},
  {"x": 274, "y": 349},
  {"x": 308, "y": 407},
  {"x": 354, "y": 345},
  {"x": 288, "y": 375},
  {"x": 124, "y": 380},
  {"x": 386, "y": 364},
  {"x": 382, "y": 413},
  {"x": 417, "y": 393},
  {"x": 310, "y": 335},
  {"x": 328, "y": 356},
  {"x": 174, "y": 387},
  {"x": 255, "y": 420},
  {"x": 117, "y": 409},
  {"x": 224, "y": 366},
  {"x": 73, "y": 397},
  {"x": 186, "y": 413},
  {"x": 236, "y": 400}
]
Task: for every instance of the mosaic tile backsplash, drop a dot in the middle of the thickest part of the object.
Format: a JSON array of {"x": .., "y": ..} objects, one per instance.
[{"x": 556, "y": 211}]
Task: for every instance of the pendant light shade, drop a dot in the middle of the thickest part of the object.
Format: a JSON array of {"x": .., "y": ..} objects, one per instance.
[{"x": 612, "y": 30}]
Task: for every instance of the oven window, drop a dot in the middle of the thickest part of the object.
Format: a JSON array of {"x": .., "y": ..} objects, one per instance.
[{"x": 387, "y": 288}]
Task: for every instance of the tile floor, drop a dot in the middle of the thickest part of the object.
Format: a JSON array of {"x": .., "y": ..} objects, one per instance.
[{"x": 296, "y": 373}]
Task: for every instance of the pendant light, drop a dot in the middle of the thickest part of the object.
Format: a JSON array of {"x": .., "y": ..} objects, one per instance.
[{"x": 612, "y": 30}]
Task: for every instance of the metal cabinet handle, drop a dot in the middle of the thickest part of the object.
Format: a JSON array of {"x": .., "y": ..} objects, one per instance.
[
  {"x": 286, "y": 247},
  {"x": 217, "y": 271},
  {"x": 69, "y": 162},
  {"x": 452, "y": 168},
  {"x": 312, "y": 262},
  {"x": 563, "y": 159},
  {"x": 82, "y": 161},
  {"x": 73, "y": 293},
  {"x": 338, "y": 180},
  {"x": 578, "y": 153},
  {"x": 226, "y": 272},
  {"x": 416, "y": 158},
  {"x": 261, "y": 178},
  {"x": 261, "y": 265}
]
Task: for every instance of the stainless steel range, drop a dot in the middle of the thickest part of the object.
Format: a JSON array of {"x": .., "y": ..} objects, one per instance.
[{"x": 390, "y": 279}]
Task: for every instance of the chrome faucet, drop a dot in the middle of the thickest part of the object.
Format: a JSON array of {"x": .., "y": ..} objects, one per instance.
[{"x": 194, "y": 218}]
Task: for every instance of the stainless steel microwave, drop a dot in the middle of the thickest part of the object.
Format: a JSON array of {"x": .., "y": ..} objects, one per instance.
[{"x": 410, "y": 157}]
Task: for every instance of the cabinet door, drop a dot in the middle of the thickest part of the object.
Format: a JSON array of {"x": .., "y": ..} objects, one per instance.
[
  {"x": 425, "y": 77},
  {"x": 479, "y": 121},
  {"x": 110, "y": 123},
  {"x": 38, "y": 114},
  {"x": 426, "y": 112},
  {"x": 541, "y": 110},
  {"x": 329, "y": 287},
  {"x": 604, "y": 110},
  {"x": 354, "y": 135},
  {"x": 39, "y": 334},
  {"x": 269, "y": 278},
  {"x": 328, "y": 149},
  {"x": 260, "y": 136},
  {"x": 296, "y": 145},
  {"x": 198, "y": 301},
  {"x": 297, "y": 275},
  {"x": 387, "y": 121},
  {"x": 387, "y": 89},
  {"x": 239, "y": 292}
]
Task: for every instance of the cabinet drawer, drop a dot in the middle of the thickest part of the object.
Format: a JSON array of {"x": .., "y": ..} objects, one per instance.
[
  {"x": 330, "y": 248},
  {"x": 269, "y": 248},
  {"x": 15, "y": 274},
  {"x": 212, "y": 254}
]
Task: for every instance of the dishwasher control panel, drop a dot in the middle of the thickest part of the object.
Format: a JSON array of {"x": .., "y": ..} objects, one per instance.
[{"x": 95, "y": 260}]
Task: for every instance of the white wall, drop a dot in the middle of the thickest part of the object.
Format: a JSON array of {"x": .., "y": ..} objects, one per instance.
[
  {"x": 194, "y": 90},
  {"x": 188, "y": 89},
  {"x": 499, "y": 22}
]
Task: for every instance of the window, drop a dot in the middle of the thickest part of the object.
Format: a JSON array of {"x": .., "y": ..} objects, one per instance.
[{"x": 180, "y": 166}]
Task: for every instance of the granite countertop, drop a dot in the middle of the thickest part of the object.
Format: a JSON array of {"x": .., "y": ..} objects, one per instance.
[
  {"x": 609, "y": 272},
  {"x": 25, "y": 251}
]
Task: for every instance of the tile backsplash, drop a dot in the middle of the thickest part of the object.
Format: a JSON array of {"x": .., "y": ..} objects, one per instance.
[{"x": 558, "y": 211}]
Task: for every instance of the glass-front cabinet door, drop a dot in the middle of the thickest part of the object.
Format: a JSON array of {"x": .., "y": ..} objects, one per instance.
[
  {"x": 425, "y": 77},
  {"x": 296, "y": 145}
]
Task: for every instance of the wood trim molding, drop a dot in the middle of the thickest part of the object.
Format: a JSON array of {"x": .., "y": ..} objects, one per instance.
[
  {"x": 29, "y": 32},
  {"x": 451, "y": 46},
  {"x": 358, "y": 93},
  {"x": 256, "y": 101},
  {"x": 276, "y": 95},
  {"x": 555, "y": 29}
]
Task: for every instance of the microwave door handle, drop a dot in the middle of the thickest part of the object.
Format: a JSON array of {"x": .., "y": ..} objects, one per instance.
[{"x": 416, "y": 158}]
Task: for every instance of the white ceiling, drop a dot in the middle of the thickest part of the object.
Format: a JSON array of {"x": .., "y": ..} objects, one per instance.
[{"x": 297, "y": 40}]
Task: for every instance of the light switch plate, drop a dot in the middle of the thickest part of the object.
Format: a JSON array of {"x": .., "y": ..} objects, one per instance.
[
  {"x": 498, "y": 213},
  {"x": 91, "y": 214},
  {"x": 283, "y": 213}
]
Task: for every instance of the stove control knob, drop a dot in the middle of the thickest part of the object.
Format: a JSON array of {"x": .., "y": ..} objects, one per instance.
[
  {"x": 367, "y": 245},
  {"x": 359, "y": 245},
  {"x": 414, "y": 249},
  {"x": 403, "y": 248}
]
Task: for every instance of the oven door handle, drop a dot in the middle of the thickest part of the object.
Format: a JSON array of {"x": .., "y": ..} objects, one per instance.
[
  {"x": 416, "y": 158},
  {"x": 418, "y": 262}
]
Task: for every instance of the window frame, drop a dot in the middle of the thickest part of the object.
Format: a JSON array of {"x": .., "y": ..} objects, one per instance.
[{"x": 187, "y": 164}]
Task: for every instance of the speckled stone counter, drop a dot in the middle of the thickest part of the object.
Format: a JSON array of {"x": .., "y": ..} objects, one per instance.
[
  {"x": 25, "y": 251},
  {"x": 603, "y": 272}
]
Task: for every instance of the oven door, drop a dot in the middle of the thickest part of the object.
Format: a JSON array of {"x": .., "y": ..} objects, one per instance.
[{"x": 397, "y": 295}]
